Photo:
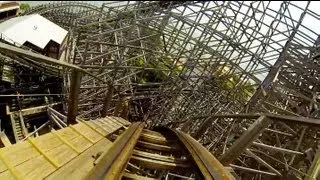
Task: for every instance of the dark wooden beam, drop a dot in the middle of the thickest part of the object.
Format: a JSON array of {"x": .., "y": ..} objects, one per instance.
[
  {"x": 107, "y": 100},
  {"x": 245, "y": 140},
  {"x": 314, "y": 171},
  {"x": 275, "y": 117},
  {"x": 15, "y": 51},
  {"x": 73, "y": 97}
]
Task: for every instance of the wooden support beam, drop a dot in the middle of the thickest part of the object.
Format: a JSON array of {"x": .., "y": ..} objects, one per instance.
[
  {"x": 135, "y": 176},
  {"x": 74, "y": 97},
  {"x": 156, "y": 164},
  {"x": 107, "y": 100},
  {"x": 252, "y": 170},
  {"x": 314, "y": 171},
  {"x": 4, "y": 139},
  {"x": 299, "y": 144},
  {"x": 158, "y": 157},
  {"x": 35, "y": 131},
  {"x": 55, "y": 121},
  {"x": 23, "y": 125},
  {"x": 119, "y": 106},
  {"x": 280, "y": 110},
  {"x": 12, "y": 51},
  {"x": 279, "y": 132},
  {"x": 261, "y": 161},
  {"x": 273, "y": 148},
  {"x": 9, "y": 49},
  {"x": 275, "y": 117},
  {"x": 203, "y": 127},
  {"x": 155, "y": 138},
  {"x": 33, "y": 110},
  {"x": 58, "y": 114},
  {"x": 245, "y": 140},
  {"x": 137, "y": 170},
  {"x": 158, "y": 147}
]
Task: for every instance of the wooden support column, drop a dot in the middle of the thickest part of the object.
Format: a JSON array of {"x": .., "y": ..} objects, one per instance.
[
  {"x": 261, "y": 161},
  {"x": 314, "y": 171},
  {"x": 245, "y": 140},
  {"x": 23, "y": 125},
  {"x": 107, "y": 100},
  {"x": 4, "y": 139},
  {"x": 203, "y": 127},
  {"x": 119, "y": 106},
  {"x": 73, "y": 97}
]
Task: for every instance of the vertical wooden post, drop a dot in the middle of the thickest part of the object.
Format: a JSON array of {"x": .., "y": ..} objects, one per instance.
[
  {"x": 245, "y": 140},
  {"x": 119, "y": 106},
  {"x": 73, "y": 97},
  {"x": 107, "y": 100}
]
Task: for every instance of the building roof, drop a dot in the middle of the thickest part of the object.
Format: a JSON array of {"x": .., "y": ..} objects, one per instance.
[
  {"x": 32, "y": 28},
  {"x": 8, "y": 5}
]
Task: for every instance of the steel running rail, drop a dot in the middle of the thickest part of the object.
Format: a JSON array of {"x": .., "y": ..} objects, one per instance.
[
  {"x": 119, "y": 161},
  {"x": 209, "y": 166}
]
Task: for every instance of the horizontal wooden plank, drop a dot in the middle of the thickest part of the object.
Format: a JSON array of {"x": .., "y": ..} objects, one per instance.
[
  {"x": 82, "y": 164},
  {"x": 96, "y": 127},
  {"x": 87, "y": 132},
  {"x": 67, "y": 133},
  {"x": 62, "y": 154},
  {"x": 109, "y": 123},
  {"x": 19, "y": 153},
  {"x": 47, "y": 142},
  {"x": 7, "y": 175},
  {"x": 36, "y": 168},
  {"x": 3, "y": 167},
  {"x": 121, "y": 120}
]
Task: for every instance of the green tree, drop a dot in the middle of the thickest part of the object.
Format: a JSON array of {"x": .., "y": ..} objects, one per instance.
[
  {"x": 156, "y": 62},
  {"x": 24, "y": 7},
  {"x": 242, "y": 91}
]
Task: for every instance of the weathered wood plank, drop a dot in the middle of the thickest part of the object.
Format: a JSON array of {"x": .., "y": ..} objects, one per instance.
[
  {"x": 114, "y": 121},
  {"x": 33, "y": 110},
  {"x": 110, "y": 123},
  {"x": 87, "y": 132},
  {"x": 69, "y": 149},
  {"x": 19, "y": 153},
  {"x": 7, "y": 175},
  {"x": 121, "y": 120},
  {"x": 96, "y": 127},
  {"x": 245, "y": 140},
  {"x": 36, "y": 168},
  {"x": 3, "y": 167},
  {"x": 82, "y": 164},
  {"x": 103, "y": 125},
  {"x": 47, "y": 142},
  {"x": 62, "y": 154}
]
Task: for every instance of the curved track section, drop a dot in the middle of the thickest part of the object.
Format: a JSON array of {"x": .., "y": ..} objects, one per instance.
[{"x": 46, "y": 7}]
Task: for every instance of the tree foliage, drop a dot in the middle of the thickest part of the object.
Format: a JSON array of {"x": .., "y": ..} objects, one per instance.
[
  {"x": 237, "y": 88},
  {"x": 157, "y": 64},
  {"x": 24, "y": 7},
  {"x": 233, "y": 84}
]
